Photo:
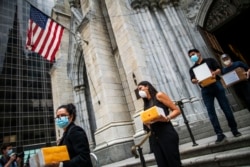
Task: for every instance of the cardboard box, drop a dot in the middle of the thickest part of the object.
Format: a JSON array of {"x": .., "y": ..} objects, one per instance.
[
  {"x": 203, "y": 75},
  {"x": 150, "y": 114},
  {"x": 207, "y": 81},
  {"x": 48, "y": 155},
  {"x": 233, "y": 77}
]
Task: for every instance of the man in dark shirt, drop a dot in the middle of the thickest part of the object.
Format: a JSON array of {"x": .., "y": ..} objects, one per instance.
[
  {"x": 212, "y": 91},
  {"x": 242, "y": 89}
]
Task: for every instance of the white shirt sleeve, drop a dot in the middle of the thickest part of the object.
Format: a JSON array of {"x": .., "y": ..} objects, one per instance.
[{"x": 61, "y": 164}]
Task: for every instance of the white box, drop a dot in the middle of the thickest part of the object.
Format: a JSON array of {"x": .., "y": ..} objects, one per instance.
[{"x": 233, "y": 77}]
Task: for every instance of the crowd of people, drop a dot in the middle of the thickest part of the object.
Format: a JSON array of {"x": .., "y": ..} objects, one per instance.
[{"x": 164, "y": 139}]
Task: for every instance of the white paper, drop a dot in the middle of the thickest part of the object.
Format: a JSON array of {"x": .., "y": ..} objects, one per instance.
[
  {"x": 230, "y": 77},
  {"x": 202, "y": 72},
  {"x": 161, "y": 111}
]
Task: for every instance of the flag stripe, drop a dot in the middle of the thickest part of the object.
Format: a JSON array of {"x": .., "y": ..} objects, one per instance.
[
  {"x": 59, "y": 38},
  {"x": 53, "y": 45},
  {"x": 44, "y": 35},
  {"x": 49, "y": 38}
]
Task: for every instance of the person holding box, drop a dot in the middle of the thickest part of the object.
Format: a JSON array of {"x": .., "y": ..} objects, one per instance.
[
  {"x": 212, "y": 91},
  {"x": 164, "y": 139},
  {"x": 241, "y": 88},
  {"x": 74, "y": 137}
]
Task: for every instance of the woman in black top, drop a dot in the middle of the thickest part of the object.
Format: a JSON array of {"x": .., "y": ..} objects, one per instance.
[
  {"x": 74, "y": 137},
  {"x": 164, "y": 138}
]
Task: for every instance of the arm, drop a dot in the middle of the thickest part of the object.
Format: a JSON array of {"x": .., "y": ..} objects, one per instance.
[
  {"x": 78, "y": 147},
  {"x": 11, "y": 160},
  {"x": 246, "y": 68},
  {"x": 192, "y": 76},
  {"x": 214, "y": 67},
  {"x": 216, "y": 72},
  {"x": 165, "y": 99}
]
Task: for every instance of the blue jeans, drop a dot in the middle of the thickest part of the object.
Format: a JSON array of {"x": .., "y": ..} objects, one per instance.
[{"x": 217, "y": 91}]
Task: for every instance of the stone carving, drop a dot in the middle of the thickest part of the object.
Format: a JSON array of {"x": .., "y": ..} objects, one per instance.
[
  {"x": 221, "y": 11},
  {"x": 151, "y": 3},
  {"x": 192, "y": 10}
]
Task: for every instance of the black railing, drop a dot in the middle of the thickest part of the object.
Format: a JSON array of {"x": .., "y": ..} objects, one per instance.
[
  {"x": 139, "y": 149},
  {"x": 180, "y": 104}
]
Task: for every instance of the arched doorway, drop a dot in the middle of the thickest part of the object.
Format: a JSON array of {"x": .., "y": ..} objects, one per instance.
[
  {"x": 233, "y": 37},
  {"x": 224, "y": 28}
]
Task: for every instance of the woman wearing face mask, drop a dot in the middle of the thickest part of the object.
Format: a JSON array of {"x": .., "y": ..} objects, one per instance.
[
  {"x": 164, "y": 138},
  {"x": 74, "y": 137},
  {"x": 8, "y": 158},
  {"x": 242, "y": 89}
]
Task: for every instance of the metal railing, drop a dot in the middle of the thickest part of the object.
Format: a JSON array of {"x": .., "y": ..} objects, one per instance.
[
  {"x": 138, "y": 148},
  {"x": 94, "y": 160},
  {"x": 180, "y": 104}
]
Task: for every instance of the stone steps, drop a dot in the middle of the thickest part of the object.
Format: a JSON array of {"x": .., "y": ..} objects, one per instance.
[
  {"x": 234, "y": 152},
  {"x": 203, "y": 129}
]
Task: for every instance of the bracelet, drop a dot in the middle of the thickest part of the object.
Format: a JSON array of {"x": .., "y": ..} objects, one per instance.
[{"x": 169, "y": 118}]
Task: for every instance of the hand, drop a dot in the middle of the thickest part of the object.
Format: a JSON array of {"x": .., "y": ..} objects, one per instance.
[
  {"x": 195, "y": 81},
  {"x": 161, "y": 118},
  {"x": 214, "y": 73},
  {"x": 247, "y": 73},
  {"x": 13, "y": 158}
]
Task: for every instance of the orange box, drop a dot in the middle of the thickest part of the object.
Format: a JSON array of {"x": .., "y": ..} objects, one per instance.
[
  {"x": 233, "y": 77},
  {"x": 48, "y": 155},
  {"x": 150, "y": 114},
  {"x": 207, "y": 81}
]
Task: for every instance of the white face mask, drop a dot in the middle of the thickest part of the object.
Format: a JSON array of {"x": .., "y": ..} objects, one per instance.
[
  {"x": 227, "y": 62},
  {"x": 143, "y": 94}
]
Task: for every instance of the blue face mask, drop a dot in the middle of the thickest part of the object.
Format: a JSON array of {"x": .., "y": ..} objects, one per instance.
[
  {"x": 62, "y": 122},
  {"x": 194, "y": 58},
  {"x": 10, "y": 152}
]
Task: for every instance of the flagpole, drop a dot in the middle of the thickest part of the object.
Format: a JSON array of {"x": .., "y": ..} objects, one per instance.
[{"x": 77, "y": 36}]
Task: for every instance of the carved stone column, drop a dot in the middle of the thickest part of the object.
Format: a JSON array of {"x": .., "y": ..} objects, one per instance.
[{"x": 82, "y": 118}]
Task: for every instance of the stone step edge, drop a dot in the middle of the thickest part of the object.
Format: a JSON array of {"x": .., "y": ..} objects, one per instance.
[
  {"x": 229, "y": 144},
  {"x": 231, "y": 155}
]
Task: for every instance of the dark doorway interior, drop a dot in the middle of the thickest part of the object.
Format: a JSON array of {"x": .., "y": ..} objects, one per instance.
[{"x": 234, "y": 37}]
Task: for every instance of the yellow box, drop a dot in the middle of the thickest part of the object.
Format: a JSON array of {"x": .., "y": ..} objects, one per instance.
[
  {"x": 208, "y": 81},
  {"x": 233, "y": 77},
  {"x": 48, "y": 155},
  {"x": 150, "y": 114}
]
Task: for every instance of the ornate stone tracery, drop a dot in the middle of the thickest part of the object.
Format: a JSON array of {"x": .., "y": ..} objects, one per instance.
[
  {"x": 221, "y": 11},
  {"x": 152, "y": 3},
  {"x": 211, "y": 14}
]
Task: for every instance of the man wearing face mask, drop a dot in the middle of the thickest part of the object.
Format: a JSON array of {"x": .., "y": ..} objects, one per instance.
[
  {"x": 8, "y": 158},
  {"x": 74, "y": 137},
  {"x": 242, "y": 89},
  {"x": 212, "y": 91}
]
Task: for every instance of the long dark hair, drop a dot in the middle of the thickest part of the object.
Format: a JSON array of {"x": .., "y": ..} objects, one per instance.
[
  {"x": 151, "y": 89},
  {"x": 71, "y": 109}
]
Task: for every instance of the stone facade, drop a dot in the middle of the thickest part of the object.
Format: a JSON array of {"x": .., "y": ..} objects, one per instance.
[{"x": 110, "y": 46}]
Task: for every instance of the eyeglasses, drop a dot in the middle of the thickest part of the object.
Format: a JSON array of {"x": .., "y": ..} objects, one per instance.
[{"x": 59, "y": 116}]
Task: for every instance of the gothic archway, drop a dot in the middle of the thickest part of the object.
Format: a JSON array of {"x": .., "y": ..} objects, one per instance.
[{"x": 226, "y": 28}]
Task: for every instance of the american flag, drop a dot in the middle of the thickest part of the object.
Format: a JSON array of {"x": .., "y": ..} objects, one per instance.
[{"x": 44, "y": 35}]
